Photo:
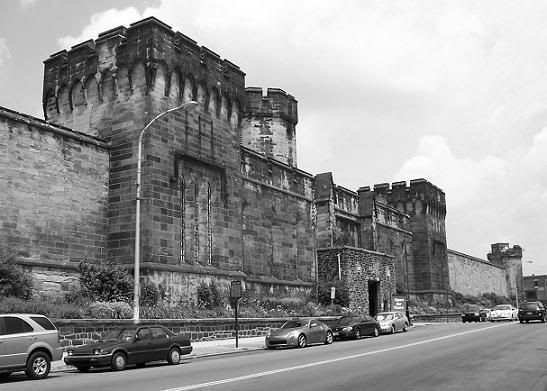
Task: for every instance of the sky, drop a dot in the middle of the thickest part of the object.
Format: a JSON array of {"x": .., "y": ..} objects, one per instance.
[{"x": 451, "y": 91}]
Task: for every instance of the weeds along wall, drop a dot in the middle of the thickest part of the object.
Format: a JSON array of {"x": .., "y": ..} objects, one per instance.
[{"x": 54, "y": 196}]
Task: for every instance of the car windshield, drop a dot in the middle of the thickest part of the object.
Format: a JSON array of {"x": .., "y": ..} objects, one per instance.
[
  {"x": 384, "y": 317},
  {"x": 347, "y": 319},
  {"x": 502, "y": 307},
  {"x": 292, "y": 324},
  {"x": 119, "y": 335},
  {"x": 529, "y": 306}
]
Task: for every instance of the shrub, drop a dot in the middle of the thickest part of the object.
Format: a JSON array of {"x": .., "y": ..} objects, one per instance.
[
  {"x": 14, "y": 281},
  {"x": 106, "y": 282},
  {"x": 341, "y": 297},
  {"x": 110, "y": 310},
  {"x": 208, "y": 296}
]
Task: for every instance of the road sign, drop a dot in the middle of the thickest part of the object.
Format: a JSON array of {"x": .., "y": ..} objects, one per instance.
[{"x": 236, "y": 290}]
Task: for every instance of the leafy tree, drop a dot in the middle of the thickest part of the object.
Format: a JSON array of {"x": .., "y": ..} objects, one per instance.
[{"x": 14, "y": 281}]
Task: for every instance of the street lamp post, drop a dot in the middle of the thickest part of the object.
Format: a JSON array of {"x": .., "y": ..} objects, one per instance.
[{"x": 136, "y": 307}]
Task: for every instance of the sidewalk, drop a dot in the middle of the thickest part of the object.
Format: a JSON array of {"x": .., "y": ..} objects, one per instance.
[{"x": 200, "y": 349}]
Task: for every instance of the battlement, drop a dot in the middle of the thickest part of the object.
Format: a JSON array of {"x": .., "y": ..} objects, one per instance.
[
  {"x": 276, "y": 102},
  {"x": 168, "y": 61},
  {"x": 398, "y": 194},
  {"x": 500, "y": 250}
]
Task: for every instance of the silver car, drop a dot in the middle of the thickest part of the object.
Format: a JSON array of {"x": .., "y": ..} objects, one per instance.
[
  {"x": 391, "y": 322},
  {"x": 28, "y": 342}
]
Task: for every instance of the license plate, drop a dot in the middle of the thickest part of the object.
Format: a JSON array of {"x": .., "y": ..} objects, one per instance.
[{"x": 529, "y": 313}]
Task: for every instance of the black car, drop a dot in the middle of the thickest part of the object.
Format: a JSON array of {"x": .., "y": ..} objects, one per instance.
[
  {"x": 534, "y": 310},
  {"x": 355, "y": 326},
  {"x": 471, "y": 316},
  {"x": 131, "y": 345}
]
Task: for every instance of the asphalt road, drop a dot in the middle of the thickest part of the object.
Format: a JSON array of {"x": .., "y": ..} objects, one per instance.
[{"x": 453, "y": 356}]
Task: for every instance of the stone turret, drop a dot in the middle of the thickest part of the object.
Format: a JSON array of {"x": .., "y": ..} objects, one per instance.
[
  {"x": 112, "y": 87},
  {"x": 269, "y": 125}
]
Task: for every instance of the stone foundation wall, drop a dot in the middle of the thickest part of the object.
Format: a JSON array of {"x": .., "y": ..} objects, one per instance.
[{"x": 76, "y": 332}]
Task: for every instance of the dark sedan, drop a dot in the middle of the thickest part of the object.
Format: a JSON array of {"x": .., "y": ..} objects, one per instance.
[
  {"x": 132, "y": 345},
  {"x": 355, "y": 326}
]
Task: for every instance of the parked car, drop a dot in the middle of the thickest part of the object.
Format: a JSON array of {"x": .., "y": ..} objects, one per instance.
[
  {"x": 476, "y": 315},
  {"x": 130, "y": 345},
  {"x": 503, "y": 312},
  {"x": 534, "y": 310},
  {"x": 299, "y": 333},
  {"x": 485, "y": 314},
  {"x": 28, "y": 342},
  {"x": 391, "y": 322},
  {"x": 355, "y": 326},
  {"x": 471, "y": 315}
]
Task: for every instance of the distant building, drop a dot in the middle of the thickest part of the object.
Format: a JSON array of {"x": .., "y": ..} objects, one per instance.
[{"x": 535, "y": 288}]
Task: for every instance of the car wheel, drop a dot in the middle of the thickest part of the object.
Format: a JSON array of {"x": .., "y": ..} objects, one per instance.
[
  {"x": 405, "y": 328},
  {"x": 376, "y": 332},
  {"x": 521, "y": 321},
  {"x": 119, "y": 361},
  {"x": 302, "y": 342},
  {"x": 543, "y": 319},
  {"x": 356, "y": 333},
  {"x": 174, "y": 356},
  {"x": 38, "y": 366},
  {"x": 83, "y": 368},
  {"x": 328, "y": 338},
  {"x": 392, "y": 329},
  {"x": 463, "y": 321}
]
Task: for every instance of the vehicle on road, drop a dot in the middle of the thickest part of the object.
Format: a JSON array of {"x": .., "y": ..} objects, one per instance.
[
  {"x": 299, "y": 333},
  {"x": 534, "y": 310},
  {"x": 28, "y": 342},
  {"x": 503, "y": 312},
  {"x": 392, "y": 322},
  {"x": 131, "y": 345},
  {"x": 471, "y": 315},
  {"x": 485, "y": 314},
  {"x": 476, "y": 315},
  {"x": 355, "y": 326}
]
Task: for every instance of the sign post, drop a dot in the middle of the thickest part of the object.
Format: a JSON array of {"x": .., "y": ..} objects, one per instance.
[{"x": 236, "y": 292}]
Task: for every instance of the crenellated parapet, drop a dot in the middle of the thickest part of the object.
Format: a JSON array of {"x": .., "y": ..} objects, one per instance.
[
  {"x": 269, "y": 124},
  {"x": 148, "y": 58},
  {"x": 420, "y": 197}
]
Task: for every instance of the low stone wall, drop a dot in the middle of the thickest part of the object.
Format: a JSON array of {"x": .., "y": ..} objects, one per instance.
[{"x": 76, "y": 332}]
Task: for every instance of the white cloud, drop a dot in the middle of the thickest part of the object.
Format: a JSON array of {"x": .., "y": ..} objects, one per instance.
[
  {"x": 489, "y": 199},
  {"x": 27, "y": 3},
  {"x": 4, "y": 51},
  {"x": 101, "y": 22}
]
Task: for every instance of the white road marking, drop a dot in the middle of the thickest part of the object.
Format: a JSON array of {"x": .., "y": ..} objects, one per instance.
[{"x": 317, "y": 363}]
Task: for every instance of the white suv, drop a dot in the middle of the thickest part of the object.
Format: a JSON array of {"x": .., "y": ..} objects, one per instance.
[{"x": 29, "y": 343}]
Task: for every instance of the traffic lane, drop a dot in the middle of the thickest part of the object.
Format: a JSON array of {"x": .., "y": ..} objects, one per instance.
[
  {"x": 161, "y": 376},
  {"x": 200, "y": 371},
  {"x": 500, "y": 357}
]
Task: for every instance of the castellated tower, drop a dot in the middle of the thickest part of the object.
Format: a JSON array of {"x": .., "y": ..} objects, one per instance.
[
  {"x": 426, "y": 206},
  {"x": 111, "y": 88},
  {"x": 269, "y": 125}
]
